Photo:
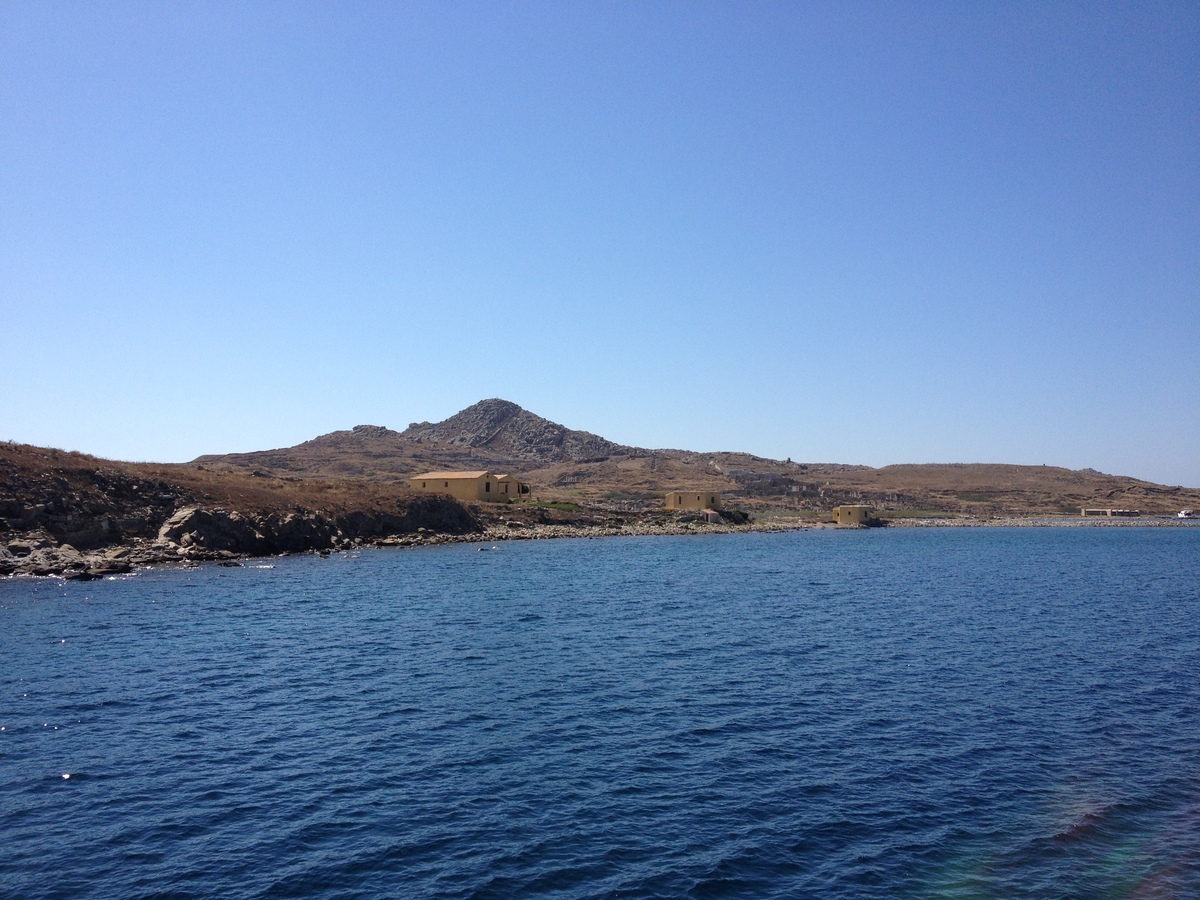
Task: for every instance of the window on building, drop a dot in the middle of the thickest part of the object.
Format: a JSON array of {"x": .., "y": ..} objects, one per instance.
[{"x": 487, "y": 487}]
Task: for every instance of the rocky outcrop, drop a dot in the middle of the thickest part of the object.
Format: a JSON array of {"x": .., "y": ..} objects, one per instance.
[
  {"x": 504, "y": 428},
  {"x": 84, "y": 506},
  {"x": 197, "y": 532},
  {"x": 201, "y": 531},
  {"x": 297, "y": 533},
  {"x": 434, "y": 514},
  {"x": 40, "y": 554},
  {"x": 214, "y": 529}
]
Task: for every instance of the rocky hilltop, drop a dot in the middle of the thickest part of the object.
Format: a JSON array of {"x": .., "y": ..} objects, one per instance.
[
  {"x": 505, "y": 429},
  {"x": 491, "y": 434}
]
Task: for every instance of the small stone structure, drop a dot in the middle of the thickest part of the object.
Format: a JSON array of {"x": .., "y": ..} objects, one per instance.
[
  {"x": 1110, "y": 513},
  {"x": 855, "y": 514}
]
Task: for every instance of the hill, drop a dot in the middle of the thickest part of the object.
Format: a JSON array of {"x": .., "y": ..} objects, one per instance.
[
  {"x": 566, "y": 464},
  {"x": 489, "y": 434}
]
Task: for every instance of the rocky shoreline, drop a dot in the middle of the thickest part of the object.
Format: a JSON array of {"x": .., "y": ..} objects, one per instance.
[
  {"x": 195, "y": 535},
  {"x": 69, "y": 515}
]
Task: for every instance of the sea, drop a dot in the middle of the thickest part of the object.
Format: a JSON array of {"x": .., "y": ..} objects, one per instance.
[{"x": 899, "y": 713}]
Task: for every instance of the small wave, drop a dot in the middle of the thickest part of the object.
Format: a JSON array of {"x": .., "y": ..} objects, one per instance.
[
  {"x": 1093, "y": 825},
  {"x": 1087, "y": 826}
]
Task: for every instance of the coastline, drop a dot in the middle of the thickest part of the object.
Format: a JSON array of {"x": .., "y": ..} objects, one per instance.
[{"x": 45, "y": 559}]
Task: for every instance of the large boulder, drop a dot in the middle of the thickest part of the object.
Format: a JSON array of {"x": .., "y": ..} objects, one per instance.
[
  {"x": 52, "y": 561},
  {"x": 214, "y": 530}
]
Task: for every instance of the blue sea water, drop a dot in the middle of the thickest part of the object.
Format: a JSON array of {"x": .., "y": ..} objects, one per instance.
[{"x": 1009, "y": 712}]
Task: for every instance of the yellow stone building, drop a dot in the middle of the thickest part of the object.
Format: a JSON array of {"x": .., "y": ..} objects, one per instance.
[
  {"x": 693, "y": 500},
  {"x": 856, "y": 514},
  {"x": 474, "y": 486}
]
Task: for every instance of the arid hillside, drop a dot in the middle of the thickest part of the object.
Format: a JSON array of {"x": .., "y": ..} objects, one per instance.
[
  {"x": 90, "y": 502},
  {"x": 564, "y": 464}
]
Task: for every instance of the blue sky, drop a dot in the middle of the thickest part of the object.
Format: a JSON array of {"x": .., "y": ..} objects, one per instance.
[{"x": 866, "y": 233}]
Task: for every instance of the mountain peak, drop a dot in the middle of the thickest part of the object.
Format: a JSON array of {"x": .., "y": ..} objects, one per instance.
[{"x": 504, "y": 427}]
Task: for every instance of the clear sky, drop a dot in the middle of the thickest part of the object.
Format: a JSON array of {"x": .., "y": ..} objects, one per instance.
[{"x": 836, "y": 232}]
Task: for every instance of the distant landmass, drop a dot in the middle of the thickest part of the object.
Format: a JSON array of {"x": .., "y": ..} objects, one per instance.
[
  {"x": 74, "y": 514},
  {"x": 561, "y": 462}
]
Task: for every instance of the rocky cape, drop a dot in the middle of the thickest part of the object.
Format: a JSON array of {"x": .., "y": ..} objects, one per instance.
[{"x": 76, "y": 515}]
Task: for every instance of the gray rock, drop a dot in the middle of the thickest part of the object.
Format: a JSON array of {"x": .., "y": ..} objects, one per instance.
[{"x": 195, "y": 528}]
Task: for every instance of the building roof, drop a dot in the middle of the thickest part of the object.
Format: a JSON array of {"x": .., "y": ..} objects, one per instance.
[{"x": 446, "y": 476}]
